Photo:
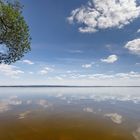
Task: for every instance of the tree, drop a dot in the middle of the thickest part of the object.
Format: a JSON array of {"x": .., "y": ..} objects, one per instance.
[{"x": 14, "y": 32}]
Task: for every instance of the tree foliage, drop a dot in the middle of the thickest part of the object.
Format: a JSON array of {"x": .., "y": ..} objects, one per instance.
[{"x": 14, "y": 32}]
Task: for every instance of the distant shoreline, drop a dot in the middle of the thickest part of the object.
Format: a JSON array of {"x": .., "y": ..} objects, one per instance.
[{"x": 61, "y": 86}]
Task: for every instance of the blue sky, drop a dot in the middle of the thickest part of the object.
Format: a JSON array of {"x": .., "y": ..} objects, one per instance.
[{"x": 79, "y": 42}]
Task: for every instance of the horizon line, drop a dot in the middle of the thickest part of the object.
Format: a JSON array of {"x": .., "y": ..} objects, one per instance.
[{"x": 63, "y": 86}]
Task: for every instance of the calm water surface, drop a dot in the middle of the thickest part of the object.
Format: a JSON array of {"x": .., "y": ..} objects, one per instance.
[{"x": 70, "y": 113}]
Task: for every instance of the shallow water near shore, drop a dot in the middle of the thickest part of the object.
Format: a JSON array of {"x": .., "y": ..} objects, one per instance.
[{"x": 58, "y": 113}]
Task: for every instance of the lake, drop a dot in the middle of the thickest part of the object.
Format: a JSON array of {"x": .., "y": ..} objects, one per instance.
[{"x": 70, "y": 113}]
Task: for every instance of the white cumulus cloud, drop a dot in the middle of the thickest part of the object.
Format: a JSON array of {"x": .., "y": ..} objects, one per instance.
[
  {"x": 133, "y": 46},
  {"x": 110, "y": 59},
  {"x": 86, "y": 66},
  {"x": 28, "y": 62},
  {"x": 138, "y": 31},
  {"x": 103, "y": 14},
  {"x": 46, "y": 70},
  {"x": 10, "y": 70}
]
